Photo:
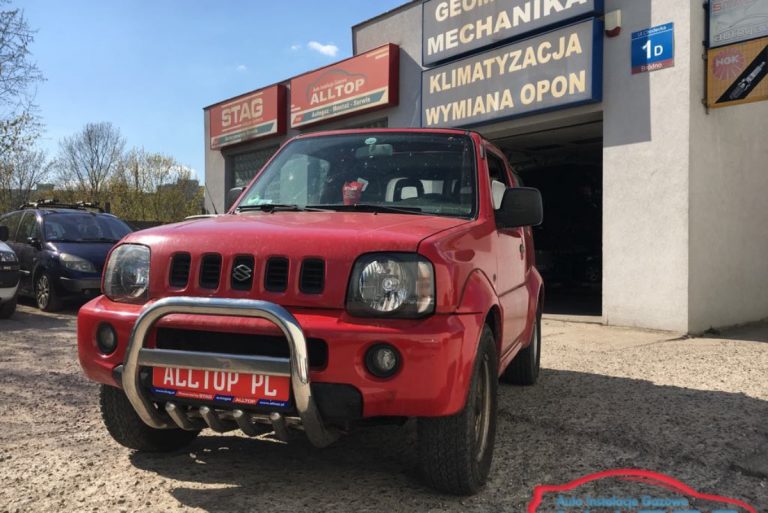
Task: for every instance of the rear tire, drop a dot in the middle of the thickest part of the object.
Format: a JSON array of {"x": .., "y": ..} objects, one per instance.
[
  {"x": 455, "y": 452},
  {"x": 8, "y": 309},
  {"x": 46, "y": 296},
  {"x": 127, "y": 428},
  {"x": 524, "y": 369}
]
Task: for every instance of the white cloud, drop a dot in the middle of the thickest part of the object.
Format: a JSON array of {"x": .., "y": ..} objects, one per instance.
[
  {"x": 295, "y": 48},
  {"x": 330, "y": 50},
  {"x": 241, "y": 68}
]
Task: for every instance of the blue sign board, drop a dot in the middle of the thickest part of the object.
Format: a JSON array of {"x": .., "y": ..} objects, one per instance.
[{"x": 653, "y": 48}]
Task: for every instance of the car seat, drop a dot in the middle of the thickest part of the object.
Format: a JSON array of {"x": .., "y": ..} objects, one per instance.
[{"x": 406, "y": 183}]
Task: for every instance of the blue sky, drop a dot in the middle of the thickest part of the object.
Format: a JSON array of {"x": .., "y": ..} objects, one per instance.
[{"x": 150, "y": 67}]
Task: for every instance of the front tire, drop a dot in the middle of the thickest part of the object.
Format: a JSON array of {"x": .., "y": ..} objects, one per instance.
[
  {"x": 46, "y": 296},
  {"x": 127, "y": 428},
  {"x": 524, "y": 369},
  {"x": 455, "y": 452}
]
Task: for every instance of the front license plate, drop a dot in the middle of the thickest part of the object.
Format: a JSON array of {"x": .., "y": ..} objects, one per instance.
[{"x": 233, "y": 387}]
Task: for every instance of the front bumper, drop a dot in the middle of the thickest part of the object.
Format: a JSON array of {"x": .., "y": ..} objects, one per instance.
[
  {"x": 296, "y": 367},
  {"x": 80, "y": 285},
  {"x": 437, "y": 352}
]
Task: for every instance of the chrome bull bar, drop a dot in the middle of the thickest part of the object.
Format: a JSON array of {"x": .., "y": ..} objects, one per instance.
[{"x": 296, "y": 367}]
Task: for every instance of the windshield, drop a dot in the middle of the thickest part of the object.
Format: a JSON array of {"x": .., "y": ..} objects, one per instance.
[
  {"x": 83, "y": 227},
  {"x": 390, "y": 172}
]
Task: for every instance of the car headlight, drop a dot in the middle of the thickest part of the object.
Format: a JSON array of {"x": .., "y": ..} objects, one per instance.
[
  {"x": 75, "y": 263},
  {"x": 392, "y": 285},
  {"x": 8, "y": 257},
  {"x": 126, "y": 277}
]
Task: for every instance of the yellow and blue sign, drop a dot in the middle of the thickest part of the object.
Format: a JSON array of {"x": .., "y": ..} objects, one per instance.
[
  {"x": 653, "y": 48},
  {"x": 561, "y": 68}
]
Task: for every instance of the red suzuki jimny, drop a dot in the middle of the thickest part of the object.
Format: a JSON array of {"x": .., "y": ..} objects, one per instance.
[{"x": 364, "y": 274}]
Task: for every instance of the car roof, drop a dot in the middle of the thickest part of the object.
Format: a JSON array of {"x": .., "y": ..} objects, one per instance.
[
  {"x": 352, "y": 131},
  {"x": 60, "y": 210}
]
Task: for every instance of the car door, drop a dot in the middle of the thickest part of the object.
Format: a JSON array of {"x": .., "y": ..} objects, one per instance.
[
  {"x": 511, "y": 259},
  {"x": 27, "y": 247}
]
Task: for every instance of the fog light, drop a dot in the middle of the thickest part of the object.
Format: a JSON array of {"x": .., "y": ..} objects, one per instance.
[
  {"x": 382, "y": 360},
  {"x": 106, "y": 338}
]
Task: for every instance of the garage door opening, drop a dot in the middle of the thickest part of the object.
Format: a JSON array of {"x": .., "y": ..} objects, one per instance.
[{"x": 566, "y": 165}]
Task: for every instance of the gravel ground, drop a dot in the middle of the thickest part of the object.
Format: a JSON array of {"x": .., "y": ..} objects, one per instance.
[{"x": 608, "y": 398}]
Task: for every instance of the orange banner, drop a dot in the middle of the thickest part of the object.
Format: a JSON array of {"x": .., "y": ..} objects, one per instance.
[{"x": 737, "y": 74}]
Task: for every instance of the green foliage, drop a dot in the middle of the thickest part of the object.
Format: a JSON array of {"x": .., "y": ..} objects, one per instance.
[{"x": 154, "y": 187}]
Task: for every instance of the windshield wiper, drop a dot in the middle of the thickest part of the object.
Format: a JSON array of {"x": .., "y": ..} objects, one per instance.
[
  {"x": 279, "y": 207},
  {"x": 372, "y": 207}
]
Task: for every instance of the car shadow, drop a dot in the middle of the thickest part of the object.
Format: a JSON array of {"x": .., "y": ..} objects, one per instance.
[
  {"x": 567, "y": 426},
  {"x": 29, "y": 318}
]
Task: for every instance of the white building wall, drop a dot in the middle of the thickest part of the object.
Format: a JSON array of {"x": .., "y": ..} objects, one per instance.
[
  {"x": 728, "y": 274},
  {"x": 645, "y": 175}
]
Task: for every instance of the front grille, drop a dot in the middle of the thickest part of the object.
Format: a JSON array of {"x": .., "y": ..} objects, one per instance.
[
  {"x": 312, "y": 279},
  {"x": 242, "y": 273},
  {"x": 210, "y": 271},
  {"x": 9, "y": 278},
  {"x": 239, "y": 344},
  {"x": 180, "y": 270},
  {"x": 276, "y": 274}
]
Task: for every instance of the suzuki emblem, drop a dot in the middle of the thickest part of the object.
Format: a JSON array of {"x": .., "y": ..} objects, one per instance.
[{"x": 242, "y": 273}]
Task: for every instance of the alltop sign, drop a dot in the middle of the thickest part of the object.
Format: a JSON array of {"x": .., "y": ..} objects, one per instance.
[
  {"x": 456, "y": 27},
  {"x": 250, "y": 116},
  {"x": 554, "y": 70},
  {"x": 365, "y": 82}
]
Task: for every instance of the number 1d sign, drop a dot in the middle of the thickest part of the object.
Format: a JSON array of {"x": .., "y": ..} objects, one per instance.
[{"x": 653, "y": 48}]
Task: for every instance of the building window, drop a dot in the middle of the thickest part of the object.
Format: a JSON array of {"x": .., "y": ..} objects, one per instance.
[
  {"x": 377, "y": 123},
  {"x": 245, "y": 165}
]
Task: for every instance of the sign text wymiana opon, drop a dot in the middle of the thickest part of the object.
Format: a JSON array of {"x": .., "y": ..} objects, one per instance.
[
  {"x": 456, "y": 27},
  {"x": 554, "y": 70}
]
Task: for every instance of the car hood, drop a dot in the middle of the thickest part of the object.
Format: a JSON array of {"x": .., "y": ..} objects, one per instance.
[
  {"x": 95, "y": 252},
  {"x": 338, "y": 238},
  {"x": 289, "y": 233}
]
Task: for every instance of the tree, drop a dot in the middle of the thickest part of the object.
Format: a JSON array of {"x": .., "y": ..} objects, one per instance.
[
  {"x": 88, "y": 159},
  {"x": 154, "y": 187},
  {"x": 21, "y": 173},
  {"x": 19, "y": 125}
]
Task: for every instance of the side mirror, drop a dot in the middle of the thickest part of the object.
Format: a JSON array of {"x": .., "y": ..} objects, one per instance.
[
  {"x": 34, "y": 242},
  {"x": 520, "y": 206},
  {"x": 232, "y": 196},
  {"x": 3, "y": 233}
]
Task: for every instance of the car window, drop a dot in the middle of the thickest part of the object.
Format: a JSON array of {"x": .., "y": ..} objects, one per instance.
[
  {"x": 497, "y": 172},
  {"x": 28, "y": 228},
  {"x": 83, "y": 227},
  {"x": 11, "y": 221},
  {"x": 430, "y": 173}
]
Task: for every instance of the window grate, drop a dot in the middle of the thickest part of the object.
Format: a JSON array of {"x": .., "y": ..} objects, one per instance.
[
  {"x": 276, "y": 274},
  {"x": 312, "y": 279},
  {"x": 180, "y": 265},
  {"x": 210, "y": 271}
]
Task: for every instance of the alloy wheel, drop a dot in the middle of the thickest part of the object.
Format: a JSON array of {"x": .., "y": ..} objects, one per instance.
[{"x": 43, "y": 291}]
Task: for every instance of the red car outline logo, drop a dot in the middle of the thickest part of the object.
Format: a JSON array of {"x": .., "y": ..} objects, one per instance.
[{"x": 644, "y": 476}]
